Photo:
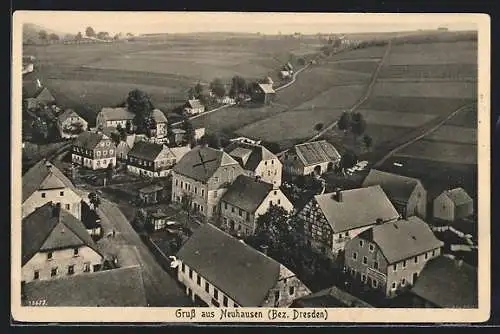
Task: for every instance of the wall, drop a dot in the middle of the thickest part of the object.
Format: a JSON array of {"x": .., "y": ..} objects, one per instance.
[
  {"x": 443, "y": 208},
  {"x": 200, "y": 197},
  {"x": 60, "y": 259},
  {"x": 270, "y": 171},
  {"x": 69, "y": 197},
  {"x": 244, "y": 225},
  {"x": 140, "y": 171},
  {"x": 287, "y": 281},
  {"x": 417, "y": 203}
]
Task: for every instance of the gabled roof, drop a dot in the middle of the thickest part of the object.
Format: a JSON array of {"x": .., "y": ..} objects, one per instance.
[
  {"x": 146, "y": 150},
  {"x": 130, "y": 140},
  {"x": 67, "y": 114},
  {"x": 195, "y": 104},
  {"x": 447, "y": 283},
  {"x": 396, "y": 187},
  {"x": 247, "y": 193},
  {"x": 180, "y": 151},
  {"x": 316, "y": 152},
  {"x": 43, "y": 175},
  {"x": 357, "y": 208},
  {"x": 266, "y": 88},
  {"x": 178, "y": 131},
  {"x": 89, "y": 140},
  {"x": 239, "y": 271},
  {"x": 116, "y": 287},
  {"x": 150, "y": 189},
  {"x": 458, "y": 196},
  {"x": 202, "y": 162},
  {"x": 121, "y": 113},
  {"x": 402, "y": 239},
  {"x": 48, "y": 228},
  {"x": 249, "y": 155}
]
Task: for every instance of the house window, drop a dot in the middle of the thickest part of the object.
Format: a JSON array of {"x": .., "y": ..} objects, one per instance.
[
  {"x": 395, "y": 267},
  {"x": 272, "y": 162},
  {"x": 371, "y": 247},
  {"x": 232, "y": 209},
  {"x": 403, "y": 282},
  {"x": 374, "y": 283},
  {"x": 191, "y": 273},
  {"x": 198, "y": 280},
  {"x": 71, "y": 270},
  {"x": 375, "y": 265},
  {"x": 86, "y": 267},
  {"x": 36, "y": 274},
  {"x": 393, "y": 285},
  {"x": 196, "y": 190},
  {"x": 202, "y": 193},
  {"x": 182, "y": 184},
  {"x": 279, "y": 201},
  {"x": 110, "y": 152},
  {"x": 404, "y": 264},
  {"x": 53, "y": 272},
  {"x": 49, "y": 256},
  {"x": 216, "y": 294},
  {"x": 224, "y": 301},
  {"x": 75, "y": 252},
  {"x": 291, "y": 290},
  {"x": 270, "y": 202},
  {"x": 67, "y": 206},
  {"x": 363, "y": 278},
  {"x": 354, "y": 256},
  {"x": 98, "y": 154},
  {"x": 225, "y": 206},
  {"x": 176, "y": 183},
  {"x": 61, "y": 193},
  {"x": 361, "y": 243},
  {"x": 248, "y": 217},
  {"x": 426, "y": 255},
  {"x": 240, "y": 213},
  {"x": 433, "y": 252},
  {"x": 365, "y": 260},
  {"x": 183, "y": 268},
  {"x": 43, "y": 195},
  {"x": 207, "y": 287},
  {"x": 104, "y": 152},
  {"x": 416, "y": 259},
  {"x": 265, "y": 163}
]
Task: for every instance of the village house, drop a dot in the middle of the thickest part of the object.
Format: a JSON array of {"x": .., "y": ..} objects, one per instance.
[
  {"x": 119, "y": 287},
  {"x": 45, "y": 183},
  {"x": 331, "y": 220},
  {"x": 156, "y": 221},
  {"x": 36, "y": 96},
  {"x": 93, "y": 150},
  {"x": 194, "y": 107},
  {"x": 55, "y": 244},
  {"x": 124, "y": 146},
  {"x": 151, "y": 194},
  {"x": 445, "y": 282},
  {"x": 315, "y": 157},
  {"x": 152, "y": 160},
  {"x": 178, "y": 136},
  {"x": 70, "y": 124},
  {"x": 262, "y": 93},
  {"x": 112, "y": 117},
  {"x": 201, "y": 177},
  {"x": 407, "y": 194},
  {"x": 245, "y": 200},
  {"x": 257, "y": 161},
  {"x": 390, "y": 256},
  {"x": 453, "y": 204},
  {"x": 219, "y": 270}
]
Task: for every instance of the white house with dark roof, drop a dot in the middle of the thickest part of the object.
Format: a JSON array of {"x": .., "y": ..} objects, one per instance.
[
  {"x": 112, "y": 117},
  {"x": 315, "y": 157},
  {"x": 257, "y": 161},
  {"x": 119, "y": 287},
  {"x": 263, "y": 93},
  {"x": 45, "y": 183},
  {"x": 390, "y": 256},
  {"x": 218, "y": 270},
  {"x": 453, "y": 204},
  {"x": 194, "y": 107},
  {"x": 201, "y": 177},
  {"x": 70, "y": 124},
  {"x": 150, "y": 159},
  {"x": 56, "y": 244},
  {"x": 407, "y": 194},
  {"x": 331, "y": 220},
  {"x": 245, "y": 200},
  {"x": 93, "y": 150}
]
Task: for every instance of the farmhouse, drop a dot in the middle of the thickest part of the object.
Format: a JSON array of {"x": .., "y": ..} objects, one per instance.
[
  {"x": 150, "y": 159},
  {"x": 453, "y": 204},
  {"x": 112, "y": 117},
  {"x": 245, "y": 200},
  {"x": 70, "y": 124},
  {"x": 194, "y": 107},
  {"x": 45, "y": 183},
  {"x": 201, "y": 177},
  {"x": 389, "y": 257},
  {"x": 55, "y": 243},
  {"x": 315, "y": 157},
  {"x": 93, "y": 150},
  {"x": 257, "y": 161},
  {"x": 255, "y": 280},
  {"x": 446, "y": 283},
  {"x": 262, "y": 93},
  {"x": 407, "y": 194},
  {"x": 119, "y": 287},
  {"x": 331, "y": 220}
]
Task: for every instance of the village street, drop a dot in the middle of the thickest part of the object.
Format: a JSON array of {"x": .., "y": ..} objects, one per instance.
[{"x": 161, "y": 289}]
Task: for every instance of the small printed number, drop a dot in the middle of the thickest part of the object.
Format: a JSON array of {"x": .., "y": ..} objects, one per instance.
[{"x": 38, "y": 302}]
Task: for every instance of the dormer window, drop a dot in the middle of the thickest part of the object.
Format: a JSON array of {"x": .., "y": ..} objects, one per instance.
[{"x": 75, "y": 252}]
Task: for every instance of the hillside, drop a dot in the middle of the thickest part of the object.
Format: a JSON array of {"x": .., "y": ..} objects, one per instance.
[{"x": 30, "y": 32}]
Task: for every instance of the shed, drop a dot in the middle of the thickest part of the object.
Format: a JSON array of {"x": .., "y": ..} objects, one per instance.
[
  {"x": 453, "y": 204},
  {"x": 151, "y": 194}
]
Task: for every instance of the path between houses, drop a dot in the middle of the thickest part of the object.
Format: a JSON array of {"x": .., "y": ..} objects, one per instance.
[{"x": 413, "y": 140}]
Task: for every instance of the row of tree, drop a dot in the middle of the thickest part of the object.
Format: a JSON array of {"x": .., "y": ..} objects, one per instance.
[{"x": 356, "y": 124}]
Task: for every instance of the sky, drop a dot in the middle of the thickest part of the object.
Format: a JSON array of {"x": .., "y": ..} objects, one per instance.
[{"x": 265, "y": 23}]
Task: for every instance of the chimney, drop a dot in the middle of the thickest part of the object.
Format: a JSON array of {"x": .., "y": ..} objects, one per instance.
[
  {"x": 264, "y": 248},
  {"x": 337, "y": 195}
]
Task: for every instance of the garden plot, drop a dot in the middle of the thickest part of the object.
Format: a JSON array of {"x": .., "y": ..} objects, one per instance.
[
  {"x": 426, "y": 89},
  {"x": 452, "y": 72},
  {"x": 463, "y": 52},
  {"x": 394, "y": 118},
  {"x": 336, "y": 97},
  {"x": 355, "y": 65},
  {"x": 442, "y": 152},
  {"x": 454, "y": 134},
  {"x": 415, "y": 104},
  {"x": 466, "y": 118}
]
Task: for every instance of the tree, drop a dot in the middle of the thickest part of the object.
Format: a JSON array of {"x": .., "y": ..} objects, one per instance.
[
  {"x": 190, "y": 131},
  {"x": 129, "y": 34},
  {"x": 318, "y": 127},
  {"x": 90, "y": 32},
  {"x": 344, "y": 122},
  {"x": 42, "y": 35},
  {"x": 40, "y": 130},
  {"x": 115, "y": 137},
  {"x": 368, "y": 141},
  {"x": 348, "y": 160},
  {"x": 358, "y": 125},
  {"x": 117, "y": 36},
  {"x": 212, "y": 140},
  {"x": 110, "y": 171},
  {"x": 238, "y": 86},
  {"x": 94, "y": 200},
  {"x": 139, "y": 103},
  {"x": 272, "y": 228},
  {"x": 53, "y": 37},
  {"x": 103, "y": 35},
  {"x": 301, "y": 61},
  {"x": 217, "y": 87},
  {"x": 79, "y": 36},
  {"x": 121, "y": 131},
  {"x": 128, "y": 126}
]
